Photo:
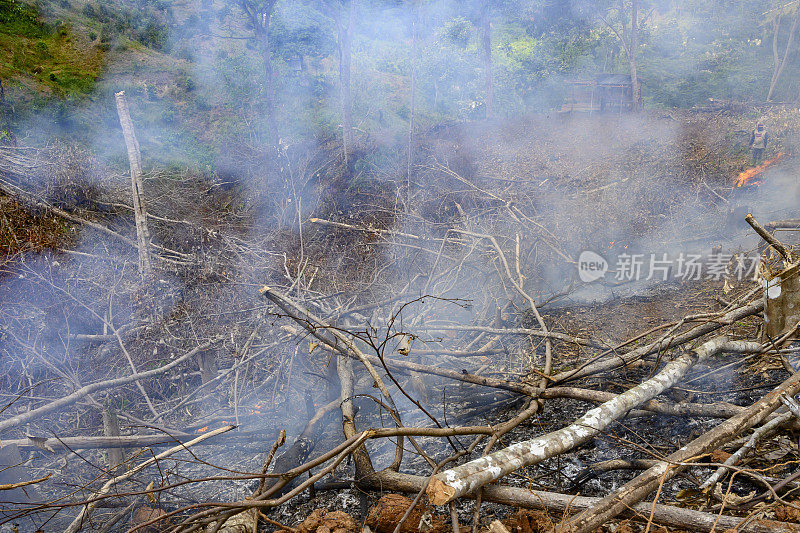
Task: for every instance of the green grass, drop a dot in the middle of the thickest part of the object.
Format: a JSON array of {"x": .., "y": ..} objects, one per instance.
[
  {"x": 17, "y": 18},
  {"x": 53, "y": 56}
]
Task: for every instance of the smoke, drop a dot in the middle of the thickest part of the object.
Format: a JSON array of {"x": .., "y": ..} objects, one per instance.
[{"x": 544, "y": 186}]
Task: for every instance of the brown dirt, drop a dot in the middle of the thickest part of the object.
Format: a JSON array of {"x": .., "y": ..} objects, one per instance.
[{"x": 324, "y": 521}]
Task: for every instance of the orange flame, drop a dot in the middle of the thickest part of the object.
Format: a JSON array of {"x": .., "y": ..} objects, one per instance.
[{"x": 746, "y": 176}]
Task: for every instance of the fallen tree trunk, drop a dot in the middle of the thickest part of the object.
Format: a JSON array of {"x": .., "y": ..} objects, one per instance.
[
  {"x": 126, "y": 441},
  {"x": 713, "y": 410},
  {"x": 638, "y": 488},
  {"x": 451, "y": 484},
  {"x": 694, "y": 333},
  {"x": 564, "y": 503},
  {"x": 522, "y": 331}
]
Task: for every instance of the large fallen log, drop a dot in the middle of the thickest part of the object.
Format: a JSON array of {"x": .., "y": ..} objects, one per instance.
[
  {"x": 641, "y": 486},
  {"x": 126, "y": 441},
  {"x": 686, "y": 519},
  {"x": 451, "y": 484},
  {"x": 712, "y": 410}
]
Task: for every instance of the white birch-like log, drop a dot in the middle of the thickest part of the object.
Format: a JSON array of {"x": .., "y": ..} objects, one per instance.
[
  {"x": 642, "y": 485},
  {"x": 451, "y": 484},
  {"x": 137, "y": 185}
]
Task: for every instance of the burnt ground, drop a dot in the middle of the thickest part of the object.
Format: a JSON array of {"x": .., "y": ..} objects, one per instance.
[{"x": 661, "y": 183}]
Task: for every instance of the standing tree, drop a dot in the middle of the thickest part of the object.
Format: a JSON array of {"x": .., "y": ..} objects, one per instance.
[
  {"x": 776, "y": 16},
  {"x": 412, "y": 104},
  {"x": 628, "y": 36},
  {"x": 632, "y": 48},
  {"x": 344, "y": 15},
  {"x": 259, "y": 14},
  {"x": 486, "y": 47}
]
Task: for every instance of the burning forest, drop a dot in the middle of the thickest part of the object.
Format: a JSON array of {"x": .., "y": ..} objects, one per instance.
[{"x": 384, "y": 267}]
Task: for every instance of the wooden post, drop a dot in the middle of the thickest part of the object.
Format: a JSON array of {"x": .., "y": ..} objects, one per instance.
[
  {"x": 137, "y": 186},
  {"x": 782, "y": 303},
  {"x": 111, "y": 429}
]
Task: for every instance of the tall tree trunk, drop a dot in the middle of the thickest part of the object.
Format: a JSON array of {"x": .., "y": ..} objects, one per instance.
[
  {"x": 776, "y": 26},
  {"x": 409, "y": 162},
  {"x": 346, "y": 27},
  {"x": 486, "y": 42},
  {"x": 780, "y": 63},
  {"x": 269, "y": 74},
  {"x": 633, "y": 45}
]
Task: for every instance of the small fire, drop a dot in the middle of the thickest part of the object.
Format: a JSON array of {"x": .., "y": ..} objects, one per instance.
[
  {"x": 746, "y": 177},
  {"x": 206, "y": 428}
]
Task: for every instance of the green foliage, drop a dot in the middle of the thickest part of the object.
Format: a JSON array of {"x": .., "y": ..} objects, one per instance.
[
  {"x": 458, "y": 32},
  {"x": 19, "y": 18},
  {"x": 31, "y": 48},
  {"x": 146, "y": 24},
  {"x": 297, "y": 32}
]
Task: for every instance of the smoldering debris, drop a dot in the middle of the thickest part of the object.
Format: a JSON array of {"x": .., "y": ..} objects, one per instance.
[{"x": 394, "y": 348}]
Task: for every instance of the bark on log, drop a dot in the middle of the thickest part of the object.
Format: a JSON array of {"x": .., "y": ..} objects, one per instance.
[
  {"x": 627, "y": 358},
  {"x": 789, "y": 223},
  {"x": 131, "y": 441},
  {"x": 137, "y": 185},
  {"x": 529, "y": 499},
  {"x": 451, "y": 484},
  {"x": 638, "y": 488},
  {"x": 767, "y": 236},
  {"x": 111, "y": 429},
  {"x": 713, "y": 410}
]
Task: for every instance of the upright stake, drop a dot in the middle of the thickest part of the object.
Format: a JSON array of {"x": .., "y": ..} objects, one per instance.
[
  {"x": 137, "y": 185},
  {"x": 111, "y": 429}
]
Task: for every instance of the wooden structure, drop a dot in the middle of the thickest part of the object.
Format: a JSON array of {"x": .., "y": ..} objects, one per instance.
[{"x": 604, "y": 93}]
